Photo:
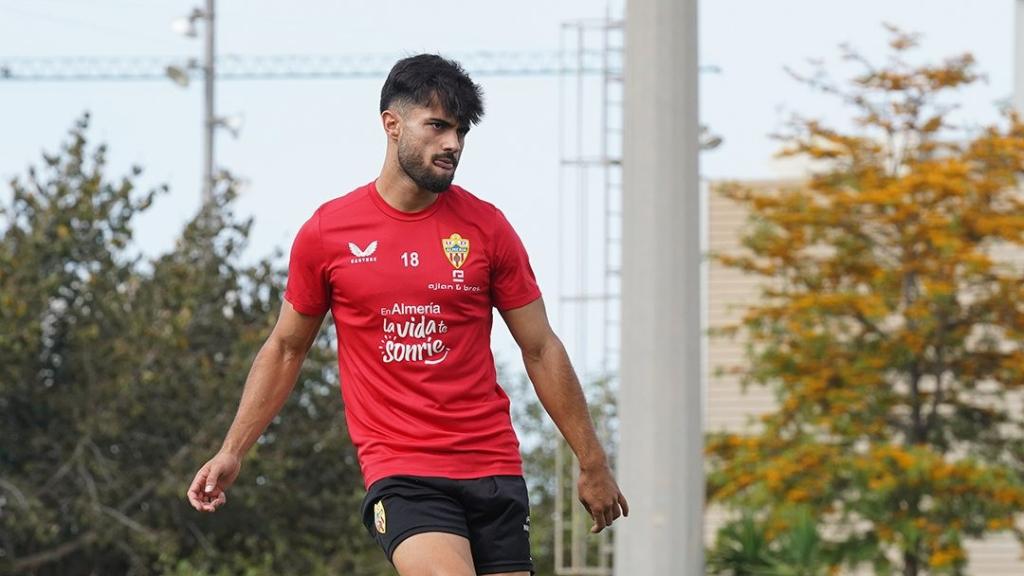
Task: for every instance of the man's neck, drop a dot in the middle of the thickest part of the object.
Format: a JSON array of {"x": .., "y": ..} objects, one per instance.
[{"x": 401, "y": 193}]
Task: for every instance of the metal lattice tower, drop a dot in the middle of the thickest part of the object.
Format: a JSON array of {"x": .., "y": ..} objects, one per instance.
[{"x": 590, "y": 191}]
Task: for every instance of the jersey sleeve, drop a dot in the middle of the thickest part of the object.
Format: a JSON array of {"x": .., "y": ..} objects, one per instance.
[
  {"x": 307, "y": 289},
  {"x": 513, "y": 283}
]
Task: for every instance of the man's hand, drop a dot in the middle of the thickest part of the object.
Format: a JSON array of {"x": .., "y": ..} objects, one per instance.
[
  {"x": 600, "y": 495},
  {"x": 208, "y": 489},
  {"x": 560, "y": 393},
  {"x": 270, "y": 381}
]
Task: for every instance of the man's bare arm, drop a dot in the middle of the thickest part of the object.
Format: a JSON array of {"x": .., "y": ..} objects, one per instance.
[
  {"x": 267, "y": 387},
  {"x": 559, "y": 391}
]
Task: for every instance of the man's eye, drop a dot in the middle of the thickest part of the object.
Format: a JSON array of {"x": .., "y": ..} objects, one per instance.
[{"x": 437, "y": 125}]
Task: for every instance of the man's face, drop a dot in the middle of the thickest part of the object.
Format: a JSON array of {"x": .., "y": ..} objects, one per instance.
[{"x": 429, "y": 145}]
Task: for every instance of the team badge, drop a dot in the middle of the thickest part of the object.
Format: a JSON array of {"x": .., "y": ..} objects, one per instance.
[
  {"x": 380, "y": 519},
  {"x": 456, "y": 249}
]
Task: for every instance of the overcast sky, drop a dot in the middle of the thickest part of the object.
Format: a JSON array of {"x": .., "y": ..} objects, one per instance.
[{"x": 306, "y": 141}]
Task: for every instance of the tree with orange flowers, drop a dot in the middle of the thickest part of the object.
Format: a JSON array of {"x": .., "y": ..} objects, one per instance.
[{"x": 890, "y": 327}]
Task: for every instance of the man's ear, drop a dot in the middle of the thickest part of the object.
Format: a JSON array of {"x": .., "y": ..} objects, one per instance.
[{"x": 392, "y": 123}]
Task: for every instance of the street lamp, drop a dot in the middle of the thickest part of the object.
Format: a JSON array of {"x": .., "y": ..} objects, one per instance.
[
  {"x": 186, "y": 25},
  {"x": 181, "y": 75}
]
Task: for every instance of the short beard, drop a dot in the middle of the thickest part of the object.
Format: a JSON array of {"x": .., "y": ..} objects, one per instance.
[{"x": 409, "y": 161}]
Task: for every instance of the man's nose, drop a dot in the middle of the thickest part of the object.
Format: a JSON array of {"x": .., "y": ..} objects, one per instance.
[{"x": 451, "y": 142}]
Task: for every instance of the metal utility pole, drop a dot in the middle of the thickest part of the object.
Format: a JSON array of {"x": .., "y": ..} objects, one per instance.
[
  {"x": 660, "y": 462},
  {"x": 181, "y": 76},
  {"x": 209, "y": 115}
]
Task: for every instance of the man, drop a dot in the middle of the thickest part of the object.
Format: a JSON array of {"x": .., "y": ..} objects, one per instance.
[{"x": 410, "y": 267}]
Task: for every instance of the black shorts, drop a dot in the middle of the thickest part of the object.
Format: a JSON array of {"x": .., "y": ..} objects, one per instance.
[{"x": 492, "y": 512}]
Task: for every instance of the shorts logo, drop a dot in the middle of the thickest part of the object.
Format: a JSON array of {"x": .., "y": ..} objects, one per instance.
[
  {"x": 362, "y": 255},
  {"x": 380, "y": 519},
  {"x": 456, "y": 249}
]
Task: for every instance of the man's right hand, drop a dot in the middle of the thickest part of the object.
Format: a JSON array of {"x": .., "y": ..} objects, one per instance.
[{"x": 208, "y": 489}]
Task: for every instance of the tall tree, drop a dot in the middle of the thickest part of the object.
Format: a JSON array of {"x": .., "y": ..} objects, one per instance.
[
  {"x": 890, "y": 326},
  {"x": 120, "y": 374}
]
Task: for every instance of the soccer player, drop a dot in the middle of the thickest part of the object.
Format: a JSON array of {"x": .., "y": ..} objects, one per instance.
[{"x": 410, "y": 267}]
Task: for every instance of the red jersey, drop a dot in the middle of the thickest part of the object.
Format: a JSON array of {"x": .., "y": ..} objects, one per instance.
[{"x": 412, "y": 296}]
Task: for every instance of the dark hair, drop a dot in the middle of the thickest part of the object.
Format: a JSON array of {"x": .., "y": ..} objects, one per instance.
[{"x": 428, "y": 78}]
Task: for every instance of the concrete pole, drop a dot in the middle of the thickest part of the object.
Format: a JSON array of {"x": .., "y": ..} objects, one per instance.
[
  {"x": 209, "y": 114},
  {"x": 1018, "y": 57},
  {"x": 660, "y": 461}
]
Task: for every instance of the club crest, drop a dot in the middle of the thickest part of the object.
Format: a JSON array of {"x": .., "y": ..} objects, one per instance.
[
  {"x": 456, "y": 249},
  {"x": 380, "y": 519}
]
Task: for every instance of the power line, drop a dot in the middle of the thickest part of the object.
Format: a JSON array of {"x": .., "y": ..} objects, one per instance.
[{"x": 287, "y": 67}]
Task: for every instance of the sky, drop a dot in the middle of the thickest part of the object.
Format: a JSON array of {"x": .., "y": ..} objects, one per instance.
[{"x": 304, "y": 142}]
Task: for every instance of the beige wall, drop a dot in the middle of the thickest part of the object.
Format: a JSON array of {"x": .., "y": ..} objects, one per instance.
[{"x": 730, "y": 408}]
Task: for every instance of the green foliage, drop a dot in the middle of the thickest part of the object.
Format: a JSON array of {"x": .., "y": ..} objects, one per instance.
[
  {"x": 119, "y": 376},
  {"x": 751, "y": 547}
]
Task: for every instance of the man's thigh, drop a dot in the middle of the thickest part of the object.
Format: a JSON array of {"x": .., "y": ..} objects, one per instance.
[
  {"x": 437, "y": 554},
  {"x": 434, "y": 554}
]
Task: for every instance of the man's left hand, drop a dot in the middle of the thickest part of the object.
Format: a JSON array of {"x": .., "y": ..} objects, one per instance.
[{"x": 601, "y": 496}]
